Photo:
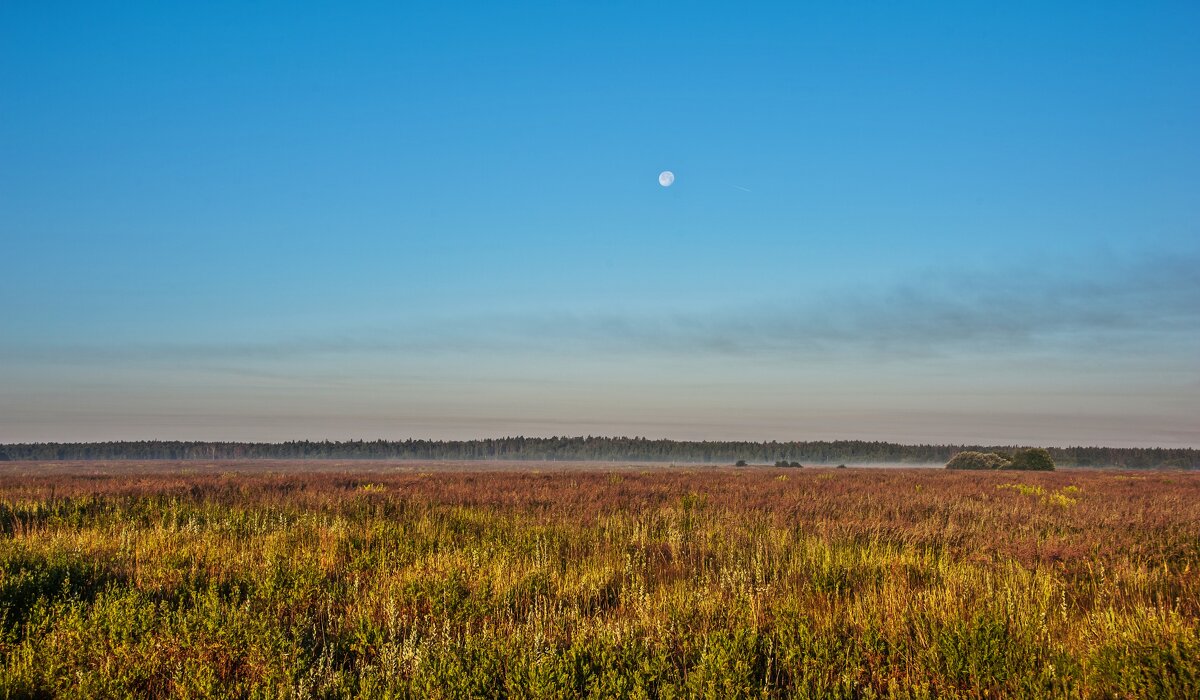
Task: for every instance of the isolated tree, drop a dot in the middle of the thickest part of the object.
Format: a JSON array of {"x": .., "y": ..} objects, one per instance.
[
  {"x": 978, "y": 461},
  {"x": 1034, "y": 459}
]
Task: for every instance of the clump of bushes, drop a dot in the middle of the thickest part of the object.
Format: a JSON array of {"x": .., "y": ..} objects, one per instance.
[
  {"x": 978, "y": 461},
  {"x": 1032, "y": 459},
  {"x": 785, "y": 463}
]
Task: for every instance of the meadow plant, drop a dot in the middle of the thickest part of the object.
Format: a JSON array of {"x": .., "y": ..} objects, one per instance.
[{"x": 654, "y": 584}]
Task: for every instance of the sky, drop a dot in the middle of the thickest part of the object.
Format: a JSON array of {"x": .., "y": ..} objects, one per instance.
[{"x": 967, "y": 222}]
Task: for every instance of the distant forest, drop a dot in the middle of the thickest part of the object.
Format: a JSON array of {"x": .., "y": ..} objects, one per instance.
[{"x": 615, "y": 449}]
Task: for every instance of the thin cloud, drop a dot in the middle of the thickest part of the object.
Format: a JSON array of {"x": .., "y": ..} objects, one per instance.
[
  {"x": 946, "y": 312},
  {"x": 1123, "y": 306}
]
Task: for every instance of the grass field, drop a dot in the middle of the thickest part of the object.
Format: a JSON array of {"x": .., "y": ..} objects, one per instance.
[{"x": 634, "y": 582}]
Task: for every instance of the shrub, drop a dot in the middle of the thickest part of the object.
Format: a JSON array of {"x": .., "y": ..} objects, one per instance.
[
  {"x": 740, "y": 463},
  {"x": 785, "y": 463},
  {"x": 1034, "y": 459},
  {"x": 978, "y": 460}
]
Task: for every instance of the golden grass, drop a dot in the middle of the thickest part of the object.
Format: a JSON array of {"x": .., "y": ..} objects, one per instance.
[{"x": 627, "y": 583}]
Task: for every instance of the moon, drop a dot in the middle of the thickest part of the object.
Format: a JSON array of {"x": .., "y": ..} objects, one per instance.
[{"x": 666, "y": 178}]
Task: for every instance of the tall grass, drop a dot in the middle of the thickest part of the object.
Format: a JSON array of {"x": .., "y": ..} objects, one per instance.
[{"x": 663, "y": 584}]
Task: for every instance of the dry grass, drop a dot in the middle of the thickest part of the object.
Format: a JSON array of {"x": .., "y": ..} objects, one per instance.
[{"x": 639, "y": 582}]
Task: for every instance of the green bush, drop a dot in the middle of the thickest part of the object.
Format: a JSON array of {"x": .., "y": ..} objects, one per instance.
[
  {"x": 1035, "y": 459},
  {"x": 978, "y": 461}
]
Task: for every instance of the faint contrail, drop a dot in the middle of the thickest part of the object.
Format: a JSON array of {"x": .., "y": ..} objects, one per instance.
[{"x": 741, "y": 188}]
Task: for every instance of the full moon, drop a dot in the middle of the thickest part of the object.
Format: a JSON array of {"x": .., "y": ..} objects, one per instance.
[{"x": 665, "y": 178}]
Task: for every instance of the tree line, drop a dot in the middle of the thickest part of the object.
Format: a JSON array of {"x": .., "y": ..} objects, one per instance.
[{"x": 592, "y": 448}]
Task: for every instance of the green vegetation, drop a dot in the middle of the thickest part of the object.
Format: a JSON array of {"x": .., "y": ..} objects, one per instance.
[
  {"x": 622, "y": 449},
  {"x": 629, "y": 583},
  {"x": 978, "y": 461},
  {"x": 1033, "y": 459}
]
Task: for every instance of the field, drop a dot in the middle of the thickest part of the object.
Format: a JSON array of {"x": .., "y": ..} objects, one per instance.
[{"x": 402, "y": 580}]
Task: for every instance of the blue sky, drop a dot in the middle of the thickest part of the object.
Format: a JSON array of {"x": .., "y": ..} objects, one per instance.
[{"x": 930, "y": 222}]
